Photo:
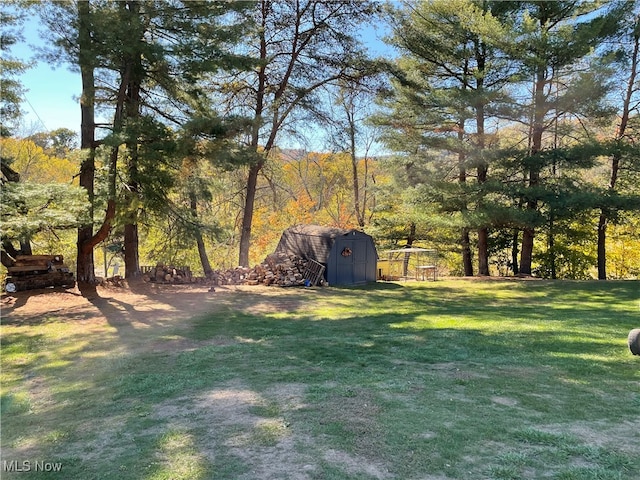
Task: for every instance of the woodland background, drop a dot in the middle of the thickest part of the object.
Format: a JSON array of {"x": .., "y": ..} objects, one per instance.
[{"x": 503, "y": 134}]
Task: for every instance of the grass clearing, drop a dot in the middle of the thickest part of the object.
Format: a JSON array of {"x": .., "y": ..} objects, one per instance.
[{"x": 417, "y": 380}]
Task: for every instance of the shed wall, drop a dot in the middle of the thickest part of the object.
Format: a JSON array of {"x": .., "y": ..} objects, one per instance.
[
  {"x": 353, "y": 260},
  {"x": 327, "y": 245}
]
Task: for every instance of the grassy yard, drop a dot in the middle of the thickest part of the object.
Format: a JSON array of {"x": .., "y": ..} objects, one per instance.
[{"x": 419, "y": 380}]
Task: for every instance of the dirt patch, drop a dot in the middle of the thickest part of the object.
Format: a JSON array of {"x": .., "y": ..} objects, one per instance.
[
  {"x": 141, "y": 299},
  {"x": 504, "y": 401},
  {"x": 230, "y": 421},
  {"x": 255, "y": 428},
  {"x": 138, "y": 302},
  {"x": 603, "y": 434}
]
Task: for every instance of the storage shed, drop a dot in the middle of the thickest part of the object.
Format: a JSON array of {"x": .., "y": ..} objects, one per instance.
[{"x": 349, "y": 256}]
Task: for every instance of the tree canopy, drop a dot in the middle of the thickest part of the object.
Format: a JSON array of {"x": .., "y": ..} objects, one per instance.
[{"x": 504, "y": 134}]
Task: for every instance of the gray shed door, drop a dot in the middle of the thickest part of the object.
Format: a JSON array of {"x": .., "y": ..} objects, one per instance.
[{"x": 352, "y": 268}]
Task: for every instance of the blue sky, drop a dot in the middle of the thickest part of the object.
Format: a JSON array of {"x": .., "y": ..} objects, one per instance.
[{"x": 51, "y": 98}]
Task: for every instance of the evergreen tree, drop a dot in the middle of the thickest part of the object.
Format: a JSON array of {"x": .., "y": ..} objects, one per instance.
[
  {"x": 448, "y": 85},
  {"x": 87, "y": 62},
  {"x": 552, "y": 43},
  {"x": 29, "y": 208},
  {"x": 467, "y": 65},
  {"x": 11, "y": 92},
  {"x": 630, "y": 53},
  {"x": 155, "y": 53}
]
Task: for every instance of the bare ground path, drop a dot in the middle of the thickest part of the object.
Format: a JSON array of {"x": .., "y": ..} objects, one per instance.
[
  {"x": 141, "y": 318},
  {"x": 114, "y": 370}
]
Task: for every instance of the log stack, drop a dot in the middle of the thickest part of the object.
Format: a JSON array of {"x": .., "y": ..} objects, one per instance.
[
  {"x": 38, "y": 271},
  {"x": 277, "y": 270},
  {"x": 167, "y": 274},
  {"x": 282, "y": 270}
]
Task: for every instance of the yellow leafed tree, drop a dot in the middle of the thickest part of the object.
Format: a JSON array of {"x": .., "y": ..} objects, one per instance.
[{"x": 34, "y": 165}]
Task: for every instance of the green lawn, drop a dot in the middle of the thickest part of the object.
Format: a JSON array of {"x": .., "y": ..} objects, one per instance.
[{"x": 419, "y": 380}]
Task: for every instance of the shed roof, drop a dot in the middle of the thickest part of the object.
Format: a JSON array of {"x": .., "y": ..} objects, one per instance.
[
  {"x": 411, "y": 250},
  {"x": 309, "y": 241},
  {"x": 317, "y": 230}
]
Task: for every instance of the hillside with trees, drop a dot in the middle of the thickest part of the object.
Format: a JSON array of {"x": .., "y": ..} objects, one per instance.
[{"x": 503, "y": 134}]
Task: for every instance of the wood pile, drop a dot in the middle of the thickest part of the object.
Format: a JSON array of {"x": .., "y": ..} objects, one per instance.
[
  {"x": 277, "y": 269},
  {"x": 115, "y": 281},
  {"x": 167, "y": 274},
  {"x": 38, "y": 271}
]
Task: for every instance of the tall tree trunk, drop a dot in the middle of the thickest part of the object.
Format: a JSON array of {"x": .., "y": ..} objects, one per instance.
[
  {"x": 204, "y": 258},
  {"x": 202, "y": 252},
  {"x": 483, "y": 232},
  {"x": 359, "y": 210},
  {"x": 410, "y": 239},
  {"x": 465, "y": 242},
  {"x": 483, "y": 251},
  {"x": 526, "y": 251},
  {"x": 132, "y": 111},
  {"x": 247, "y": 216},
  {"x": 131, "y": 240},
  {"x": 483, "y": 167},
  {"x": 358, "y": 206},
  {"x": 514, "y": 251},
  {"x": 528, "y": 233},
  {"x": 615, "y": 161},
  {"x": 131, "y": 260},
  {"x": 467, "y": 256},
  {"x": 84, "y": 260},
  {"x": 88, "y": 243},
  {"x": 254, "y": 170}
]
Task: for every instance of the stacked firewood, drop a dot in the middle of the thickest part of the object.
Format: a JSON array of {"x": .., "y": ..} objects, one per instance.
[
  {"x": 230, "y": 276},
  {"x": 38, "y": 271},
  {"x": 277, "y": 269},
  {"x": 167, "y": 274},
  {"x": 280, "y": 269}
]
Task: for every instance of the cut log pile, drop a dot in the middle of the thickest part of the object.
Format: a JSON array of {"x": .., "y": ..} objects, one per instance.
[
  {"x": 277, "y": 269},
  {"x": 167, "y": 274},
  {"x": 38, "y": 271}
]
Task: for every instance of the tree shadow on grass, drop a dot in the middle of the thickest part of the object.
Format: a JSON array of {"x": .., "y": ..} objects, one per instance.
[
  {"x": 13, "y": 302},
  {"x": 361, "y": 352}
]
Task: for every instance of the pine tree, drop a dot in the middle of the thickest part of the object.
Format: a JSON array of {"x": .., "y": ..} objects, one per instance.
[
  {"x": 29, "y": 208},
  {"x": 618, "y": 158},
  {"x": 552, "y": 41},
  {"x": 155, "y": 52},
  {"x": 448, "y": 85},
  {"x": 11, "y": 92}
]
